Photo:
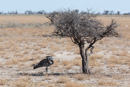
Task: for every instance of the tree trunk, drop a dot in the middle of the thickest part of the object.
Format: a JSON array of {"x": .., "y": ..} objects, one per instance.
[{"x": 85, "y": 60}]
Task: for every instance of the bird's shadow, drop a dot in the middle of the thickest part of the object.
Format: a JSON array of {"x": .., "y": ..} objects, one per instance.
[{"x": 49, "y": 74}]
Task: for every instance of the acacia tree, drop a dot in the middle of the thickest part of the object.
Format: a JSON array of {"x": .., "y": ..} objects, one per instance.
[
  {"x": 83, "y": 29},
  {"x": 52, "y": 16}
]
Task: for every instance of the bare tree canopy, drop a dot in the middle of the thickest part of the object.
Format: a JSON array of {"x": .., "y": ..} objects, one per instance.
[
  {"x": 83, "y": 26},
  {"x": 52, "y": 16},
  {"x": 82, "y": 29}
]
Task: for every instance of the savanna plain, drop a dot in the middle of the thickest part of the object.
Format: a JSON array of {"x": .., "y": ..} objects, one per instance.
[{"x": 27, "y": 39}]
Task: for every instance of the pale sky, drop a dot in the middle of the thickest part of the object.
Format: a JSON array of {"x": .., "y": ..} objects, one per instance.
[{"x": 54, "y": 5}]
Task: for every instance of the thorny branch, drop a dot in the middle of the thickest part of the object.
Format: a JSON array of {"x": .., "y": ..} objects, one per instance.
[{"x": 81, "y": 27}]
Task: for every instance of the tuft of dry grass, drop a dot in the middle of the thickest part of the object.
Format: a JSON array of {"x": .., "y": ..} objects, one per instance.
[
  {"x": 2, "y": 82},
  {"x": 36, "y": 48},
  {"x": 93, "y": 60},
  {"x": 56, "y": 62},
  {"x": 76, "y": 51},
  {"x": 17, "y": 60},
  {"x": 63, "y": 79},
  {"x": 44, "y": 84},
  {"x": 19, "y": 39},
  {"x": 26, "y": 58},
  {"x": 21, "y": 82},
  {"x": 26, "y": 51},
  {"x": 117, "y": 76},
  {"x": 68, "y": 47},
  {"x": 12, "y": 61},
  {"x": 77, "y": 61},
  {"x": 113, "y": 49},
  {"x": 1, "y": 39},
  {"x": 51, "y": 53},
  {"x": 127, "y": 60},
  {"x": 18, "y": 55},
  {"x": 1, "y": 48},
  {"x": 115, "y": 60},
  {"x": 65, "y": 62},
  {"x": 74, "y": 84},
  {"x": 118, "y": 41},
  {"x": 96, "y": 49},
  {"x": 43, "y": 45},
  {"x": 54, "y": 48},
  {"x": 107, "y": 82},
  {"x": 58, "y": 41},
  {"x": 41, "y": 52},
  {"x": 2, "y": 53},
  {"x": 69, "y": 66},
  {"x": 79, "y": 77},
  {"x": 121, "y": 53}
]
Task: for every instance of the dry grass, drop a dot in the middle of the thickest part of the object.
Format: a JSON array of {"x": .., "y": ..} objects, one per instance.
[
  {"x": 65, "y": 62},
  {"x": 58, "y": 40},
  {"x": 44, "y": 84},
  {"x": 43, "y": 45},
  {"x": 96, "y": 49},
  {"x": 80, "y": 77},
  {"x": 54, "y": 48},
  {"x": 68, "y": 48},
  {"x": 12, "y": 61},
  {"x": 56, "y": 63},
  {"x": 74, "y": 84},
  {"x": 69, "y": 66},
  {"x": 121, "y": 53},
  {"x": 1, "y": 39},
  {"x": 93, "y": 60},
  {"x": 116, "y": 60},
  {"x": 51, "y": 53},
  {"x": 117, "y": 76},
  {"x": 17, "y": 60},
  {"x": 23, "y": 18},
  {"x": 113, "y": 49},
  {"x": 63, "y": 79},
  {"x": 3, "y": 82},
  {"x": 23, "y": 46},
  {"x": 76, "y": 51},
  {"x": 21, "y": 82},
  {"x": 127, "y": 60},
  {"x": 107, "y": 82},
  {"x": 77, "y": 61}
]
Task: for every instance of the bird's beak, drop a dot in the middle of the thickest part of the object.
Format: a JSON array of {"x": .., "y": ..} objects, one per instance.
[{"x": 33, "y": 64}]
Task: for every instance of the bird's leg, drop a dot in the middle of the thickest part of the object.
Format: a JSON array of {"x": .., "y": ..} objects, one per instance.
[{"x": 46, "y": 70}]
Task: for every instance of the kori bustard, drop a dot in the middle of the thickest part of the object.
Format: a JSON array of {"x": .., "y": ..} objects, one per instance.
[{"x": 44, "y": 63}]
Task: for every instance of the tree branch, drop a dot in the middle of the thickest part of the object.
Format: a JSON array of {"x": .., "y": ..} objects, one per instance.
[{"x": 90, "y": 46}]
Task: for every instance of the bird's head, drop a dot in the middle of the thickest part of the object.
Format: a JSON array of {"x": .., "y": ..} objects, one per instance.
[{"x": 49, "y": 58}]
